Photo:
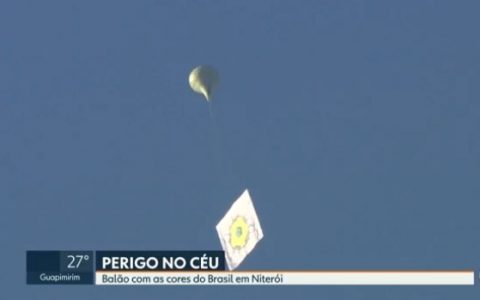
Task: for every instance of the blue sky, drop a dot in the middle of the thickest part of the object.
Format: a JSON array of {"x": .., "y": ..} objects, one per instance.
[{"x": 353, "y": 123}]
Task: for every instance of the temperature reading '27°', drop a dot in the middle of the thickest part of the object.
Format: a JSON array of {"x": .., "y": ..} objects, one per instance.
[{"x": 76, "y": 260}]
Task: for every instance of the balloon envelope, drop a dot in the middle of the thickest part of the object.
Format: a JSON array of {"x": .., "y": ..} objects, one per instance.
[{"x": 203, "y": 80}]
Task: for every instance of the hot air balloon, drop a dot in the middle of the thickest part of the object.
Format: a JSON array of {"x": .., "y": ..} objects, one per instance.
[{"x": 203, "y": 79}]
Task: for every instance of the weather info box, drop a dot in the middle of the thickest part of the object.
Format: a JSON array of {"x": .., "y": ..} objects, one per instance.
[{"x": 60, "y": 267}]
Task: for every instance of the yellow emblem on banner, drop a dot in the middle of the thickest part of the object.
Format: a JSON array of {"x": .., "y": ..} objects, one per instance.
[{"x": 239, "y": 231}]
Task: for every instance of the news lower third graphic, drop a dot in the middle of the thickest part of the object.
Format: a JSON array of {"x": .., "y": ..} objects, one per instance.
[{"x": 206, "y": 268}]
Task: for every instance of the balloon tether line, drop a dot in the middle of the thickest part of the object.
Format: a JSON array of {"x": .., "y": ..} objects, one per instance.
[
  {"x": 224, "y": 167},
  {"x": 210, "y": 109}
]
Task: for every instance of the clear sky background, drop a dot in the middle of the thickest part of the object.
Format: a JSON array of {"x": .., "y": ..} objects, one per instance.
[{"x": 355, "y": 125}]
